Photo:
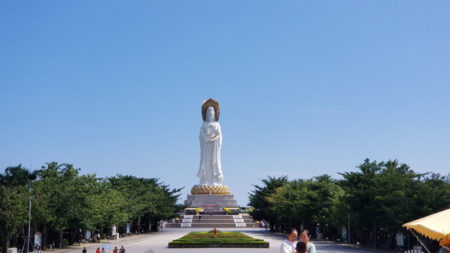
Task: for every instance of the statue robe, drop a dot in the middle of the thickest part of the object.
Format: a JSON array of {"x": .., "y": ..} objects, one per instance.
[{"x": 210, "y": 171}]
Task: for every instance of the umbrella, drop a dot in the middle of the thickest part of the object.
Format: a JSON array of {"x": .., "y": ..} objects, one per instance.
[{"x": 435, "y": 226}]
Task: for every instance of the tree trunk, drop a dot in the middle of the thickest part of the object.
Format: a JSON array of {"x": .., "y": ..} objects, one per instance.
[
  {"x": 394, "y": 239},
  {"x": 5, "y": 244},
  {"x": 60, "y": 238},
  {"x": 139, "y": 225},
  {"x": 44, "y": 237},
  {"x": 374, "y": 233},
  {"x": 72, "y": 237}
]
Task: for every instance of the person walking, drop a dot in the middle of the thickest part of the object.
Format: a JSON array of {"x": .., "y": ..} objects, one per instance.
[
  {"x": 304, "y": 237},
  {"x": 288, "y": 245},
  {"x": 122, "y": 250},
  {"x": 84, "y": 250},
  {"x": 97, "y": 250}
]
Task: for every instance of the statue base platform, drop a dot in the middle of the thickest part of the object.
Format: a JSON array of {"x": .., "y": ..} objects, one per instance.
[
  {"x": 211, "y": 203},
  {"x": 210, "y": 190}
]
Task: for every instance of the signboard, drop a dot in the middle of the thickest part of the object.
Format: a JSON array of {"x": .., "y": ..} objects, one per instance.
[
  {"x": 344, "y": 233},
  {"x": 87, "y": 234},
  {"x": 399, "y": 238},
  {"x": 37, "y": 239}
]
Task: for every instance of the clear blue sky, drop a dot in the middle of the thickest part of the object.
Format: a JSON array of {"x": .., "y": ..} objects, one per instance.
[{"x": 306, "y": 87}]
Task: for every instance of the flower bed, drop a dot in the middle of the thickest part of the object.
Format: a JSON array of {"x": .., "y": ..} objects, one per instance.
[
  {"x": 232, "y": 210},
  {"x": 221, "y": 240},
  {"x": 193, "y": 211}
]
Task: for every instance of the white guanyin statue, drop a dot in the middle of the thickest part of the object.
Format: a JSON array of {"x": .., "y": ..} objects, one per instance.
[{"x": 210, "y": 171}]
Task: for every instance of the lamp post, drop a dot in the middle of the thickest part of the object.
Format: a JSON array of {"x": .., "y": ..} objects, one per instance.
[
  {"x": 348, "y": 223},
  {"x": 29, "y": 223}
]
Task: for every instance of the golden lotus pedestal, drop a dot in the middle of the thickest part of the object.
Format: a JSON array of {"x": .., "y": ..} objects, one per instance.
[
  {"x": 210, "y": 190},
  {"x": 212, "y": 198}
]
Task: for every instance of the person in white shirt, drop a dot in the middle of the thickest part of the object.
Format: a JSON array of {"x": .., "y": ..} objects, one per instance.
[{"x": 288, "y": 245}]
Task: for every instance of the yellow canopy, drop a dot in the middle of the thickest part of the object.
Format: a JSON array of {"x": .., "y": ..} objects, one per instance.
[{"x": 435, "y": 226}]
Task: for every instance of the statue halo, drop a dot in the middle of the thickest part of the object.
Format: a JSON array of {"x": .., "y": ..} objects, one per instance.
[{"x": 211, "y": 103}]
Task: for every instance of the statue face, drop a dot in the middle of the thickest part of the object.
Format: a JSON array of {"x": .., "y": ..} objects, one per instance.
[{"x": 210, "y": 115}]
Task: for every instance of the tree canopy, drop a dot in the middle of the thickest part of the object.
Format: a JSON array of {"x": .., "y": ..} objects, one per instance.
[
  {"x": 376, "y": 200},
  {"x": 65, "y": 203}
]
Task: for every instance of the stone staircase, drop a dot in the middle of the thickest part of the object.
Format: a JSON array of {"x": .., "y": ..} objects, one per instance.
[{"x": 214, "y": 221}]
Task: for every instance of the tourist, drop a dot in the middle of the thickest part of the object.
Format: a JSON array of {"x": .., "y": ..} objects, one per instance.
[
  {"x": 115, "y": 250},
  {"x": 103, "y": 250},
  {"x": 288, "y": 245},
  {"x": 97, "y": 250},
  {"x": 301, "y": 247},
  {"x": 304, "y": 237},
  {"x": 122, "y": 250}
]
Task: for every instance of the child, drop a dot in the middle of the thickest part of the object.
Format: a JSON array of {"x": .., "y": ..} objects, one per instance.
[{"x": 301, "y": 247}]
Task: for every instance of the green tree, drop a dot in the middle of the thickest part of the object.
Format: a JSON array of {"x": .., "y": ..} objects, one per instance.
[
  {"x": 15, "y": 176},
  {"x": 305, "y": 202},
  {"x": 146, "y": 198},
  {"x": 380, "y": 198},
  {"x": 65, "y": 201},
  {"x": 291, "y": 203},
  {"x": 108, "y": 206},
  {"x": 57, "y": 198},
  {"x": 13, "y": 212},
  {"x": 262, "y": 207},
  {"x": 14, "y": 194}
]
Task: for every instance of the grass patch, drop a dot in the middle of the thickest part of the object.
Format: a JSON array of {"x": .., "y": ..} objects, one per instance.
[{"x": 222, "y": 240}]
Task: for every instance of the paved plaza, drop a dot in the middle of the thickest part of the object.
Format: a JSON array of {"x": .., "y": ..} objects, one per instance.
[{"x": 157, "y": 243}]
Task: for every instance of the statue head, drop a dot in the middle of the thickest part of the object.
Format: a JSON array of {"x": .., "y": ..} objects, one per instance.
[
  {"x": 211, "y": 103},
  {"x": 210, "y": 115}
]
